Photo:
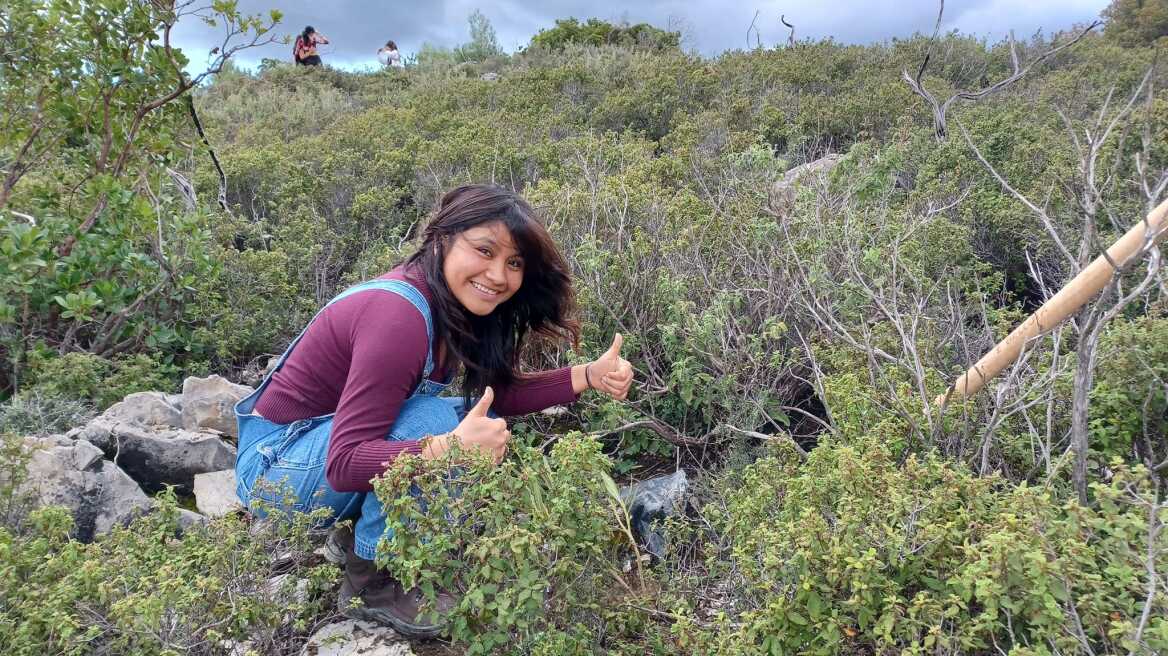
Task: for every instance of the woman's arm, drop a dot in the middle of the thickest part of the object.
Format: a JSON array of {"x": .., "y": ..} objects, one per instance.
[
  {"x": 536, "y": 391},
  {"x": 387, "y": 355},
  {"x": 610, "y": 374}
]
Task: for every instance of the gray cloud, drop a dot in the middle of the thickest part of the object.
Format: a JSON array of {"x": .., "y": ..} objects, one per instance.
[{"x": 357, "y": 29}]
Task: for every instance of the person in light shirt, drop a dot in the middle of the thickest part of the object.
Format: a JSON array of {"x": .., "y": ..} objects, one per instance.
[{"x": 389, "y": 56}]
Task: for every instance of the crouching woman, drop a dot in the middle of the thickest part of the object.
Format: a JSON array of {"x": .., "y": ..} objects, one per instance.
[{"x": 359, "y": 387}]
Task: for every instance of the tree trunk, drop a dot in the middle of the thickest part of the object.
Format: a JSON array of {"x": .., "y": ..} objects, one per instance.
[{"x": 1080, "y": 403}]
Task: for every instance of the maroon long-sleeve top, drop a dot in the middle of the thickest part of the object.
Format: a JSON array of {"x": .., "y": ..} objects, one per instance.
[{"x": 362, "y": 358}]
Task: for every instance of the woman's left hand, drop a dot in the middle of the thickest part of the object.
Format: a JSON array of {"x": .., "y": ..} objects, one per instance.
[{"x": 610, "y": 373}]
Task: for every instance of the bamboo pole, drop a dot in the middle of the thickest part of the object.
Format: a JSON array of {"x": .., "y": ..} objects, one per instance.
[{"x": 1066, "y": 302}]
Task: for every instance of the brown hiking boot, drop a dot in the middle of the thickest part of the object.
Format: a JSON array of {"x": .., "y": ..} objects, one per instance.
[
  {"x": 338, "y": 543},
  {"x": 384, "y": 601}
]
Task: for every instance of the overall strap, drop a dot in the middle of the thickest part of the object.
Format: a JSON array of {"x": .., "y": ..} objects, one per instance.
[{"x": 399, "y": 287}]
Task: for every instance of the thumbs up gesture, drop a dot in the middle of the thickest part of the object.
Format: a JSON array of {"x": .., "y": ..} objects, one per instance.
[
  {"x": 477, "y": 430},
  {"x": 610, "y": 373}
]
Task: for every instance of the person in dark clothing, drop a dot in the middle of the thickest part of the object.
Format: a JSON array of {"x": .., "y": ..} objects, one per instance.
[{"x": 304, "y": 52}]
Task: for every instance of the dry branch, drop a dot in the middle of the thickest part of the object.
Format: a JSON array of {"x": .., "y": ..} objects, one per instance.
[
  {"x": 940, "y": 109},
  {"x": 752, "y": 27},
  {"x": 791, "y": 35}
]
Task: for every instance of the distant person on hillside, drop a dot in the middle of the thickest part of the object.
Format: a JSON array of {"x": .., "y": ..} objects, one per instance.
[
  {"x": 389, "y": 56},
  {"x": 304, "y": 52},
  {"x": 359, "y": 388}
]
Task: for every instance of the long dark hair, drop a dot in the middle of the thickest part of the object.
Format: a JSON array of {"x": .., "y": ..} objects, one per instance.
[
  {"x": 489, "y": 347},
  {"x": 306, "y": 36}
]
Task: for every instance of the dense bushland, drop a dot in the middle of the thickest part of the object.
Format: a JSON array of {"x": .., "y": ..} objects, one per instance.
[
  {"x": 788, "y": 346},
  {"x": 596, "y": 32}
]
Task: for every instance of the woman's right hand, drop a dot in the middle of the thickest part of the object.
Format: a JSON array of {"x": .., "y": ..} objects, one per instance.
[{"x": 477, "y": 430}]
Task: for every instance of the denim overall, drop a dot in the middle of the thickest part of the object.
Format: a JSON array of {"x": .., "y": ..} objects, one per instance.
[{"x": 290, "y": 458}]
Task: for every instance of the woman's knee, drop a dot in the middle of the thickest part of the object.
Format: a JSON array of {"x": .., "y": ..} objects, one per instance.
[{"x": 424, "y": 415}]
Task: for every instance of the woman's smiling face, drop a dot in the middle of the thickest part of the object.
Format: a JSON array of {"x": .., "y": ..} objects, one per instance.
[{"x": 482, "y": 267}]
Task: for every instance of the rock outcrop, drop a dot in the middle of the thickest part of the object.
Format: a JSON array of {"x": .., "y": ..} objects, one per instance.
[
  {"x": 215, "y": 493},
  {"x": 356, "y": 638},
  {"x": 782, "y": 193},
  {"x": 147, "y": 434},
  {"x": 157, "y": 458},
  {"x": 208, "y": 403},
  {"x": 73, "y": 474},
  {"x": 104, "y": 471},
  {"x": 147, "y": 409}
]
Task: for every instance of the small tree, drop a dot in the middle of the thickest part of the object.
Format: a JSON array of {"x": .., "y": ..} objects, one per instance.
[
  {"x": 483, "y": 42},
  {"x": 88, "y": 78},
  {"x": 95, "y": 220}
]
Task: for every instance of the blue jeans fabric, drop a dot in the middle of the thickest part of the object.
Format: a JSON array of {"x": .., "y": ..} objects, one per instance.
[
  {"x": 288, "y": 460},
  {"x": 283, "y": 464}
]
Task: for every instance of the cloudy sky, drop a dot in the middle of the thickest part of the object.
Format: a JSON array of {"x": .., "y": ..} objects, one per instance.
[{"x": 358, "y": 28}]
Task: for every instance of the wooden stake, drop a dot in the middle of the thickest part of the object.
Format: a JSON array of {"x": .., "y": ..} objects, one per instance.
[{"x": 1066, "y": 302}]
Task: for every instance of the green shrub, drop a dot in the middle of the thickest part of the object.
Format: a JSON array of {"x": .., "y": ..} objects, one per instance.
[
  {"x": 35, "y": 413},
  {"x": 530, "y": 548},
  {"x": 852, "y": 553},
  {"x": 136, "y": 373},
  {"x": 1137, "y": 22},
  {"x": 250, "y": 306},
  {"x": 281, "y": 105},
  {"x": 1129, "y": 408},
  {"x": 150, "y": 589},
  {"x": 96, "y": 381},
  {"x": 73, "y": 375},
  {"x": 596, "y": 32}
]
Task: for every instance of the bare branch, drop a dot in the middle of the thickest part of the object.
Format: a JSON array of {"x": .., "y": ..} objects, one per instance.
[
  {"x": 767, "y": 438},
  {"x": 940, "y": 110},
  {"x": 755, "y": 29},
  {"x": 1155, "y": 507},
  {"x": 21, "y": 215},
  {"x": 665, "y": 432},
  {"x": 1019, "y": 73},
  {"x": 222, "y": 198},
  {"x": 791, "y": 35}
]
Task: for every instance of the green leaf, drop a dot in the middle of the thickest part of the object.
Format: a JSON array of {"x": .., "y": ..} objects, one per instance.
[{"x": 814, "y": 605}]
